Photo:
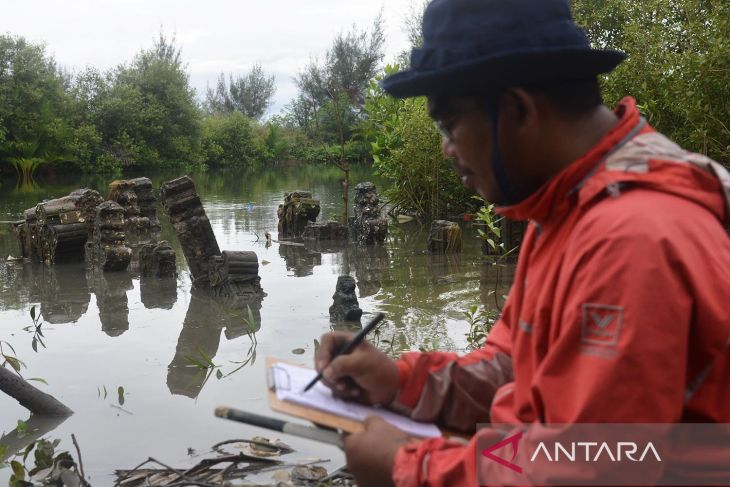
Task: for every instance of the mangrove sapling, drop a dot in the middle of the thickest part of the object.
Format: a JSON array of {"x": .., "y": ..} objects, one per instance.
[
  {"x": 14, "y": 385},
  {"x": 36, "y": 329},
  {"x": 481, "y": 321},
  {"x": 50, "y": 467}
]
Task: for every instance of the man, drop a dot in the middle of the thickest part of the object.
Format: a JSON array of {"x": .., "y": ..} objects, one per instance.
[{"x": 619, "y": 308}]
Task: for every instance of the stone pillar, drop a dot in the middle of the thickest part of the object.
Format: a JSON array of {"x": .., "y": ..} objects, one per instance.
[
  {"x": 368, "y": 226},
  {"x": 146, "y": 201},
  {"x": 445, "y": 237},
  {"x": 191, "y": 224},
  {"x": 345, "y": 306},
  {"x": 330, "y": 230},
  {"x": 157, "y": 260},
  {"x": 234, "y": 274},
  {"x": 298, "y": 209},
  {"x": 107, "y": 250},
  {"x": 140, "y": 228}
]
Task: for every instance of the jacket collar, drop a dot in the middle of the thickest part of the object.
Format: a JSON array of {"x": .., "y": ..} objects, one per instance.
[{"x": 558, "y": 195}]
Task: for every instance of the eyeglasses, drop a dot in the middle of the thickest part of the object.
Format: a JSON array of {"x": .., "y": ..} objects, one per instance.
[
  {"x": 446, "y": 113},
  {"x": 446, "y": 127}
]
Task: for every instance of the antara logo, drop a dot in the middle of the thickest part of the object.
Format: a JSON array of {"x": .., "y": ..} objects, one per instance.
[
  {"x": 580, "y": 451},
  {"x": 513, "y": 440},
  {"x": 616, "y": 453}
]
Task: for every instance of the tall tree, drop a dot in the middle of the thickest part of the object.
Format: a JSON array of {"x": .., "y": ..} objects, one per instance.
[
  {"x": 250, "y": 94},
  {"x": 677, "y": 65},
  {"x": 33, "y": 106},
  {"x": 149, "y": 115}
]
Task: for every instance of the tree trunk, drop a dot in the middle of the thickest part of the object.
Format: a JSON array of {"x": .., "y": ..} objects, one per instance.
[{"x": 35, "y": 400}]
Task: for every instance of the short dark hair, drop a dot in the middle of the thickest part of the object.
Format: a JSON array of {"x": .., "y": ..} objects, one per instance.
[{"x": 573, "y": 98}]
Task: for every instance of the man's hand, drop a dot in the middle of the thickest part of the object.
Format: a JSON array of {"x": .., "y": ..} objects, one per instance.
[
  {"x": 366, "y": 375},
  {"x": 370, "y": 454}
]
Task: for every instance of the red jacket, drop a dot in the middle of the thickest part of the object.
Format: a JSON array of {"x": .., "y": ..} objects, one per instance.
[{"x": 619, "y": 311}]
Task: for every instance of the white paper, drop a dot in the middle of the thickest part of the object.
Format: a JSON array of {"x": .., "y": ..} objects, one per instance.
[{"x": 291, "y": 381}]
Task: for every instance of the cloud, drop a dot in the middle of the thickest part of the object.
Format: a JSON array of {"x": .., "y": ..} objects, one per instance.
[{"x": 216, "y": 36}]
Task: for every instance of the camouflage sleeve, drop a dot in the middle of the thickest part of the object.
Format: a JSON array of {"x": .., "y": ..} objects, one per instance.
[{"x": 454, "y": 391}]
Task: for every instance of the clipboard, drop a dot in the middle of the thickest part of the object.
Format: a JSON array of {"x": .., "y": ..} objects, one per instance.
[{"x": 316, "y": 416}]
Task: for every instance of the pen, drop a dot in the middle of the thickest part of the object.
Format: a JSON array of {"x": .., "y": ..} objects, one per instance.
[{"x": 351, "y": 346}]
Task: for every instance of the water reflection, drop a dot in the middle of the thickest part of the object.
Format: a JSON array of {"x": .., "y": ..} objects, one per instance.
[
  {"x": 36, "y": 427},
  {"x": 299, "y": 259},
  {"x": 64, "y": 292},
  {"x": 110, "y": 289},
  {"x": 200, "y": 336},
  {"x": 158, "y": 293},
  {"x": 423, "y": 296}
]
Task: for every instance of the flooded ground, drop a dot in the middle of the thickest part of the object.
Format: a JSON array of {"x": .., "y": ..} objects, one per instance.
[{"x": 104, "y": 332}]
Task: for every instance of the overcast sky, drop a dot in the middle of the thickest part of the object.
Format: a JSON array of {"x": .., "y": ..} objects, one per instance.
[{"x": 216, "y": 36}]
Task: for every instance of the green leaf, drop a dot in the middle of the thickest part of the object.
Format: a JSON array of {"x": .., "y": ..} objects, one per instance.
[
  {"x": 27, "y": 450},
  {"x": 18, "y": 469},
  {"x": 14, "y": 363},
  {"x": 34, "y": 345},
  {"x": 38, "y": 379},
  {"x": 120, "y": 393},
  {"x": 32, "y": 312},
  {"x": 22, "y": 426},
  {"x": 218, "y": 374}
]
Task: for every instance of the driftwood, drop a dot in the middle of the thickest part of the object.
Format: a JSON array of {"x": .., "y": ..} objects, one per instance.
[
  {"x": 31, "y": 398},
  {"x": 191, "y": 224}
]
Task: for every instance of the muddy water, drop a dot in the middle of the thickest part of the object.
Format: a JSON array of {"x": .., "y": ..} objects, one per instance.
[{"x": 103, "y": 332}]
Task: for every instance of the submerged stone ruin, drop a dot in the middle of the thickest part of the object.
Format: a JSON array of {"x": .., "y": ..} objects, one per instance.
[
  {"x": 445, "y": 237},
  {"x": 191, "y": 224},
  {"x": 224, "y": 273},
  {"x": 345, "y": 306},
  {"x": 368, "y": 226},
  {"x": 157, "y": 260},
  {"x": 138, "y": 200},
  {"x": 298, "y": 210},
  {"x": 330, "y": 230},
  {"x": 57, "y": 230},
  {"x": 83, "y": 225},
  {"x": 107, "y": 250}
]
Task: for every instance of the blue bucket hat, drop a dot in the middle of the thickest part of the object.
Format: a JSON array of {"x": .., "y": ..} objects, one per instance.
[{"x": 470, "y": 46}]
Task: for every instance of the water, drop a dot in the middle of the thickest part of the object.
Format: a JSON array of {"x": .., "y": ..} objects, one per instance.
[{"x": 106, "y": 332}]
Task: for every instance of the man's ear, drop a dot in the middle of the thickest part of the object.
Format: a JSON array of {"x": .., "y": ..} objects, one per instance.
[{"x": 519, "y": 108}]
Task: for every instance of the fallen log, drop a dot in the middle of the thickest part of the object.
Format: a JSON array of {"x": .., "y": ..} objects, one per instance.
[{"x": 31, "y": 398}]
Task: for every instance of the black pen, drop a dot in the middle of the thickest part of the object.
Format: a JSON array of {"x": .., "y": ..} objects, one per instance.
[{"x": 357, "y": 340}]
